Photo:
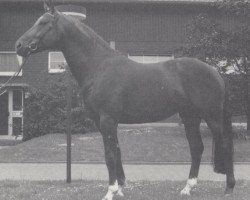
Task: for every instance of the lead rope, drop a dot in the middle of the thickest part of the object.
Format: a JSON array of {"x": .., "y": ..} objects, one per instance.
[{"x": 13, "y": 76}]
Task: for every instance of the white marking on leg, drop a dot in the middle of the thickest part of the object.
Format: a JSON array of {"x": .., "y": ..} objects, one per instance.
[
  {"x": 111, "y": 191},
  {"x": 119, "y": 192},
  {"x": 190, "y": 184}
]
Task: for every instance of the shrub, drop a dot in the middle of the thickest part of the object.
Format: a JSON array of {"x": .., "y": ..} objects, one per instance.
[{"x": 45, "y": 109}]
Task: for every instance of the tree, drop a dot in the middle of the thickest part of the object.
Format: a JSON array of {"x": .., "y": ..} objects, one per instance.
[{"x": 224, "y": 47}]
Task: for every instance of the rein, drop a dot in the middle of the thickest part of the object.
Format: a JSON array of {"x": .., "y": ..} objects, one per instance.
[
  {"x": 13, "y": 76},
  {"x": 33, "y": 47}
]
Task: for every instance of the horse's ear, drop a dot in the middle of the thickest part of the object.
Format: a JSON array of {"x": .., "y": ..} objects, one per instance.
[{"x": 49, "y": 6}]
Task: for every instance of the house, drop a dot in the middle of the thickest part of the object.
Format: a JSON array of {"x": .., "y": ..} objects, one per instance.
[{"x": 145, "y": 30}]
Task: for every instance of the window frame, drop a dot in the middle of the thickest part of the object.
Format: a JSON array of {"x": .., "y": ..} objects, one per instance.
[
  {"x": 54, "y": 71},
  {"x": 77, "y": 14},
  {"x": 142, "y": 57},
  {"x": 11, "y": 73}
]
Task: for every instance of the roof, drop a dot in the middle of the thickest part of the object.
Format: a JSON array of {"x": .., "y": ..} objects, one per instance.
[{"x": 116, "y": 1}]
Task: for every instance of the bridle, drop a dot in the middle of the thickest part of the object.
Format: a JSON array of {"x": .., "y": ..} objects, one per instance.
[
  {"x": 13, "y": 76},
  {"x": 32, "y": 47}
]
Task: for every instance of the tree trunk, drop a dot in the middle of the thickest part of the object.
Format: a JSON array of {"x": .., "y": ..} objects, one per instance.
[
  {"x": 248, "y": 100},
  {"x": 248, "y": 115}
]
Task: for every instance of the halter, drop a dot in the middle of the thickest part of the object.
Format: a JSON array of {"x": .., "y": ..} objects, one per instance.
[
  {"x": 13, "y": 76},
  {"x": 32, "y": 48}
]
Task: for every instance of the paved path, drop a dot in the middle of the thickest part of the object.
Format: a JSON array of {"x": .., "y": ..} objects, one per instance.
[
  {"x": 57, "y": 171},
  {"x": 168, "y": 124}
]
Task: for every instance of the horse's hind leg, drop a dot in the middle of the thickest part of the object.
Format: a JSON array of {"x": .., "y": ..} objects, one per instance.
[
  {"x": 223, "y": 148},
  {"x": 192, "y": 128}
]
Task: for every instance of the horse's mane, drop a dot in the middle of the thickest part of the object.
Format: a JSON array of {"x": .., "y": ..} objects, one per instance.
[{"x": 83, "y": 28}]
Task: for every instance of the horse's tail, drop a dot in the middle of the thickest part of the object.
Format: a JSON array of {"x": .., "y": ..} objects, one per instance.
[{"x": 224, "y": 145}]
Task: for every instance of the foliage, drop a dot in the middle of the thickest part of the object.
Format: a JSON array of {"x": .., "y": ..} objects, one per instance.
[
  {"x": 225, "y": 46},
  {"x": 45, "y": 109},
  {"x": 237, "y": 92}
]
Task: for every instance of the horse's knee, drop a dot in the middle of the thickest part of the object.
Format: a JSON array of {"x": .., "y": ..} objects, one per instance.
[
  {"x": 196, "y": 147},
  {"x": 231, "y": 182},
  {"x": 227, "y": 143},
  {"x": 106, "y": 123},
  {"x": 109, "y": 156}
]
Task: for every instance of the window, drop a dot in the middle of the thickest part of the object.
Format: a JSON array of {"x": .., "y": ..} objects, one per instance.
[
  {"x": 9, "y": 63},
  {"x": 81, "y": 16},
  {"x": 112, "y": 44},
  {"x": 150, "y": 58},
  {"x": 77, "y": 11},
  {"x": 57, "y": 62}
]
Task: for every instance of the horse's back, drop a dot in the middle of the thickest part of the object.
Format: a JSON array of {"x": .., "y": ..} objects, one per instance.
[
  {"x": 137, "y": 93},
  {"x": 181, "y": 82}
]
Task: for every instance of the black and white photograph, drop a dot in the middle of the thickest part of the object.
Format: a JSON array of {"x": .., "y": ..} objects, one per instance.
[{"x": 124, "y": 99}]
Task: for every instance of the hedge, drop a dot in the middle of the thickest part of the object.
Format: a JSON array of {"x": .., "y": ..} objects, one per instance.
[{"x": 45, "y": 109}]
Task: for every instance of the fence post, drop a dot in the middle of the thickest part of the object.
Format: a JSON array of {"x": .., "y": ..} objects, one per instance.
[{"x": 69, "y": 100}]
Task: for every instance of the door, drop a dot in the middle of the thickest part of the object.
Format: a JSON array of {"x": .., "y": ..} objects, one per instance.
[
  {"x": 17, "y": 113},
  {"x": 4, "y": 113}
]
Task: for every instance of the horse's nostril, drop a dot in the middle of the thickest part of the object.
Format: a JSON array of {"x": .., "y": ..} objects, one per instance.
[{"x": 18, "y": 45}]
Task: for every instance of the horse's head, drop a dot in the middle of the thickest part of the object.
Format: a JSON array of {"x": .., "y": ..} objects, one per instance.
[{"x": 43, "y": 35}]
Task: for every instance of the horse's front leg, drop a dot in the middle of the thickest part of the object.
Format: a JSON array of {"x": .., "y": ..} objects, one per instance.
[
  {"x": 108, "y": 128},
  {"x": 119, "y": 171}
]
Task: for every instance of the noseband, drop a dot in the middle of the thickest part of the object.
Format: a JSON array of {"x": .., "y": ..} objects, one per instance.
[{"x": 32, "y": 47}]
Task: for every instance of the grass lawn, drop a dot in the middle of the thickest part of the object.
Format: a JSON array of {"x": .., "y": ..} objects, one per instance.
[
  {"x": 80, "y": 190},
  {"x": 138, "y": 144}
]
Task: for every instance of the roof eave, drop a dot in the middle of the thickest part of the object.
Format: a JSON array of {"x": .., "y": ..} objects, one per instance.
[{"x": 117, "y": 1}]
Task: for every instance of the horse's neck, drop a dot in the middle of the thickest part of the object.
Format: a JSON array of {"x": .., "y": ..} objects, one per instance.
[{"x": 84, "y": 56}]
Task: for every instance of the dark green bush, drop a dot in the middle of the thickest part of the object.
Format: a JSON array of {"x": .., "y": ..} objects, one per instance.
[
  {"x": 45, "y": 109},
  {"x": 237, "y": 93}
]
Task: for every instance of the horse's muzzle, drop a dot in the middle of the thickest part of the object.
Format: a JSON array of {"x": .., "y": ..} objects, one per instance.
[
  {"x": 21, "y": 49},
  {"x": 25, "y": 50}
]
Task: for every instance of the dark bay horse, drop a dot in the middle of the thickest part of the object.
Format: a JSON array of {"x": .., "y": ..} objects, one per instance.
[{"x": 118, "y": 90}]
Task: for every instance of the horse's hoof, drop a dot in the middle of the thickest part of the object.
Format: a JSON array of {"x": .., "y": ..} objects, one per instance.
[
  {"x": 229, "y": 191},
  {"x": 107, "y": 198},
  {"x": 185, "y": 191},
  {"x": 119, "y": 192}
]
